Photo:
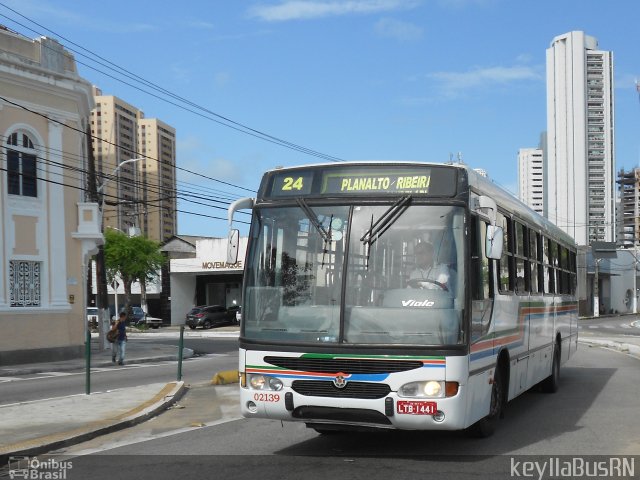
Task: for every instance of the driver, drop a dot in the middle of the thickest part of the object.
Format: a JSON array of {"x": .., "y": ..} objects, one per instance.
[{"x": 426, "y": 273}]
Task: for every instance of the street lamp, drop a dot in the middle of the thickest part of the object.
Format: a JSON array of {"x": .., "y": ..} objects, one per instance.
[
  {"x": 115, "y": 170},
  {"x": 100, "y": 268},
  {"x": 113, "y": 174}
]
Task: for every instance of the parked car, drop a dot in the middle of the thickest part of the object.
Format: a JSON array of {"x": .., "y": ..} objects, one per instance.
[
  {"x": 139, "y": 317},
  {"x": 207, "y": 316},
  {"x": 92, "y": 318}
]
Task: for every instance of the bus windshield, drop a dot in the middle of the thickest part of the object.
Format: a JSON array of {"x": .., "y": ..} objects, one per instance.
[{"x": 389, "y": 277}]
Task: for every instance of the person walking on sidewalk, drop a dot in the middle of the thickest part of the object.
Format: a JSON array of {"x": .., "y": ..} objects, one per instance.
[
  {"x": 122, "y": 337},
  {"x": 114, "y": 344}
]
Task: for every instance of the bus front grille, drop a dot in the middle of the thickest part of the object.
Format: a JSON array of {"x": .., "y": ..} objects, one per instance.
[
  {"x": 332, "y": 365},
  {"x": 319, "y": 388}
]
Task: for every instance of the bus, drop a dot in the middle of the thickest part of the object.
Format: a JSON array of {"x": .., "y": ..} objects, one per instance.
[{"x": 337, "y": 331}]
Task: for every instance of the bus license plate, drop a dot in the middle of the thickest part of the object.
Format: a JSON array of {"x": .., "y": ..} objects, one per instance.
[{"x": 414, "y": 407}]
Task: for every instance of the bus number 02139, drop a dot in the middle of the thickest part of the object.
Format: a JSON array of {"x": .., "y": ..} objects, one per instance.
[{"x": 266, "y": 397}]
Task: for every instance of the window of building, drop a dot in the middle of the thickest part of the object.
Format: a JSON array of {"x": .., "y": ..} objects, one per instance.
[
  {"x": 24, "y": 283},
  {"x": 21, "y": 165}
]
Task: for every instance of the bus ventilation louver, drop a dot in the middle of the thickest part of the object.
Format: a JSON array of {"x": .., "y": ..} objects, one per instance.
[{"x": 348, "y": 366}]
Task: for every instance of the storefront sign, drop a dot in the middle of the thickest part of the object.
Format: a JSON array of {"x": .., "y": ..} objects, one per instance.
[{"x": 221, "y": 266}]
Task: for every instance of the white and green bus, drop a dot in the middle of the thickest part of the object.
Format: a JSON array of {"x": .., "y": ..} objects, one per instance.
[{"x": 338, "y": 332}]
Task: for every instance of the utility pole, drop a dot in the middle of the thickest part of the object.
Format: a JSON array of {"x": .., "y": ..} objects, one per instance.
[{"x": 102, "y": 299}]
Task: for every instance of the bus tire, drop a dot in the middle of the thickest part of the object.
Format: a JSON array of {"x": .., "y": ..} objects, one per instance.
[
  {"x": 551, "y": 383},
  {"x": 486, "y": 427}
]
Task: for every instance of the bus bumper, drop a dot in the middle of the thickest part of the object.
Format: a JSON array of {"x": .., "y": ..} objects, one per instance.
[{"x": 287, "y": 405}]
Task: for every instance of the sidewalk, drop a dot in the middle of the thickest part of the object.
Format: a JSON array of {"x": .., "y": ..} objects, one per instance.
[
  {"x": 630, "y": 345},
  {"x": 39, "y": 426},
  {"x": 36, "y": 427}
]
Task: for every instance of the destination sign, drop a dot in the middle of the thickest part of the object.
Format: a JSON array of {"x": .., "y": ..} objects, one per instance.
[
  {"x": 404, "y": 182},
  {"x": 363, "y": 180}
]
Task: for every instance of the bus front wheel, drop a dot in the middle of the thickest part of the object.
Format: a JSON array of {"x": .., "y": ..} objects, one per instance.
[
  {"x": 551, "y": 383},
  {"x": 485, "y": 427}
]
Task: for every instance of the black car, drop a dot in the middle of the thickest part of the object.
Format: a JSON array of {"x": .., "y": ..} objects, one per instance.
[{"x": 209, "y": 316}]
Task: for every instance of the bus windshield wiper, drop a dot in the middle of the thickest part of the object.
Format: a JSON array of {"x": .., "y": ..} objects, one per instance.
[
  {"x": 385, "y": 221},
  {"x": 313, "y": 218},
  {"x": 380, "y": 226}
]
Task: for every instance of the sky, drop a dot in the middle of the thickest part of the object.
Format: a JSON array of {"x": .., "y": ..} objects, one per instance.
[{"x": 416, "y": 80}]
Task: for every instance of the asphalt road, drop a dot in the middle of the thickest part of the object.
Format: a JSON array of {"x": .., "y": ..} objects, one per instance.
[
  {"x": 593, "y": 413},
  {"x": 215, "y": 355}
]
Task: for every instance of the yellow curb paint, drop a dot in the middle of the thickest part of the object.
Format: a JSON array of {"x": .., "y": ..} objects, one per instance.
[{"x": 225, "y": 377}]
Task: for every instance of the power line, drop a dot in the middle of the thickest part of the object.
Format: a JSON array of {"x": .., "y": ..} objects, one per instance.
[
  {"x": 130, "y": 151},
  {"x": 210, "y": 115}
]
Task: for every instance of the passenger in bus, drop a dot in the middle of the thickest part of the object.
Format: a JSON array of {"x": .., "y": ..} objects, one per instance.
[{"x": 427, "y": 274}]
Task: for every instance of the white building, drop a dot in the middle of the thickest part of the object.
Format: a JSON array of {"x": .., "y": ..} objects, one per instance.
[
  {"x": 580, "y": 169},
  {"x": 531, "y": 178},
  {"x": 200, "y": 274}
]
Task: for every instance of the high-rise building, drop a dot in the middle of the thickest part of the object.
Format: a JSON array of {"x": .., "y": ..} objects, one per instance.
[
  {"x": 530, "y": 178},
  {"x": 629, "y": 209},
  {"x": 580, "y": 168},
  {"x": 157, "y": 143},
  {"x": 138, "y": 195}
]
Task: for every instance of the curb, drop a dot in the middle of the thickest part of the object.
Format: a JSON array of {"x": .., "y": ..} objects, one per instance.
[
  {"x": 629, "y": 348},
  {"x": 166, "y": 397}
]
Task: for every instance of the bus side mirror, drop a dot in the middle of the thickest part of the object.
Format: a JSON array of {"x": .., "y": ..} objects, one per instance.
[
  {"x": 494, "y": 243},
  {"x": 232, "y": 246}
]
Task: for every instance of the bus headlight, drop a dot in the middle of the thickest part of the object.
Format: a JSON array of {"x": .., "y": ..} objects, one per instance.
[
  {"x": 264, "y": 382},
  {"x": 428, "y": 389}
]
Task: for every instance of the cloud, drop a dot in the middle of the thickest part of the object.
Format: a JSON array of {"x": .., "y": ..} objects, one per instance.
[
  {"x": 459, "y": 4},
  {"x": 221, "y": 79},
  {"x": 404, "y": 31},
  {"x": 309, "y": 9},
  {"x": 626, "y": 81},
  {"x": 200, "y": 25},
  {"x": 455, "y": 84},
  {"x": 49, "y": 12}
]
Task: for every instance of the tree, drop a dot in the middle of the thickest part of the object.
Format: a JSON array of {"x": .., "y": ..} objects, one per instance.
[{"x": 132, "y": 259}]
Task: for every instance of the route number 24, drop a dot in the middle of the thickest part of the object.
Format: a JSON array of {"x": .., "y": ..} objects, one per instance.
[{"x": 291, "y": 183}]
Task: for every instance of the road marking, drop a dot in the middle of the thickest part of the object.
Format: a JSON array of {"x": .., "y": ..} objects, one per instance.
[{"x": 9, "y": 379}]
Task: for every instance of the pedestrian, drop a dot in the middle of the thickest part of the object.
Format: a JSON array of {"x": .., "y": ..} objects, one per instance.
[
  {"x": 114, "y": 344},
  {"x": 122, "y": 336}
]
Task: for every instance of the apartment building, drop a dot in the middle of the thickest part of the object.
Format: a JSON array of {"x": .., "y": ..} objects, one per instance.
[
  {"x": 47, "y": 229},
  {"x": 135, "y": 160},
  {"x": 157, "y": 144},
  {"x": 580, "y": 168},
  {"x": 629, "y": 208},
  {"x": 531, "y": 178}
]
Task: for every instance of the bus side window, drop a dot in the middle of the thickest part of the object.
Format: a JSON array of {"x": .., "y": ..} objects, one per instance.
[
  {"x": 481, "y": 283},
  {"x": 506, "y": 265}
]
